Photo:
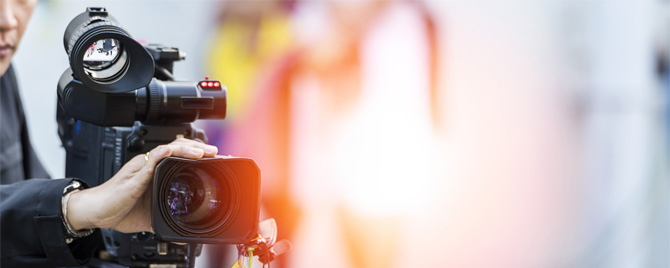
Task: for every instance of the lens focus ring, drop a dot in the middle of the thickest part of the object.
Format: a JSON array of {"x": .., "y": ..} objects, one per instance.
[{"x": 154, "y": 108}]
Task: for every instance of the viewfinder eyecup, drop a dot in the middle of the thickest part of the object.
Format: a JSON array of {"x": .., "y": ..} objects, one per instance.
[{"x": 103, "y": 56}]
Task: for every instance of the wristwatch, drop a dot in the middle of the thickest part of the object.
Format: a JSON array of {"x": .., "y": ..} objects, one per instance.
[{"x": 71, "y": 234}]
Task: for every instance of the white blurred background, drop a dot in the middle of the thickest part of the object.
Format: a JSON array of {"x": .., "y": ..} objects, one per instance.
[{"x": 544, "y": 142}]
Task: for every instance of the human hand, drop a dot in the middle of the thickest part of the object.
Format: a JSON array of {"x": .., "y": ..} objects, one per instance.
[{"x": 123, "y": 202}]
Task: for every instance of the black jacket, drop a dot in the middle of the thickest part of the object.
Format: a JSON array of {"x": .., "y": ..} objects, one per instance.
[{"x": 31, "y": 228}]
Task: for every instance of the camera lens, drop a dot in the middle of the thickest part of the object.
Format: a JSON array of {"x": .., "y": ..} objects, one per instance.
[
  {"x": 198, "y": 199},
  {"x": 208, "y": 200},
  {"x": 195, "y": 198},
  {"x": 105, "y": 60}
]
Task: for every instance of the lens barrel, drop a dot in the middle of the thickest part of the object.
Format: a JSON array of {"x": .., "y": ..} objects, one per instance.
[
  {"x": 103, "y": 56},
  {"x": 170, "y": 102}
]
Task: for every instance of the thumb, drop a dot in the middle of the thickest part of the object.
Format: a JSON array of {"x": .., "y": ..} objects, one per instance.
[{"x": 152, "y": 158}]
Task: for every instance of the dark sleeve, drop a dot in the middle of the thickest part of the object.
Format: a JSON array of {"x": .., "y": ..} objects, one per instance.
[
  {"x": 32, "y": 230},
  {"x": 18, "y": 160},
  {"x": 32, "y": 167}
]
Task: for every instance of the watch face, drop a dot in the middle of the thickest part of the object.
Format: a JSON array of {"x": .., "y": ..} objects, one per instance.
[{"x": 74, "y": 185}]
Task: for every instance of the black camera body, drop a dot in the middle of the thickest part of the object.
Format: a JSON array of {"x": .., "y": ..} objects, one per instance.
[
  {"x": 118, "y": 100},
  {"x": 95, "y": 153}
]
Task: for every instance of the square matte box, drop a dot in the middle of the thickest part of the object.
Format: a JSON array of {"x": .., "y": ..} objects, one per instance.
[{"x": 206, "y": 201}]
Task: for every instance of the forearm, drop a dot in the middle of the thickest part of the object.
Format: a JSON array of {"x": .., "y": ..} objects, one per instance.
[{"x": 32, "y": 229}]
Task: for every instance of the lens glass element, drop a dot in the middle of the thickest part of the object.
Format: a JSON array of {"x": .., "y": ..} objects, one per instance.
[
  {"x": 105, "y": 59},
  {"x": 195, "y": 198}
]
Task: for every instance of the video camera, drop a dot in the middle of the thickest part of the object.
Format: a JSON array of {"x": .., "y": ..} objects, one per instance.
[{"x": 119, "y": 99}]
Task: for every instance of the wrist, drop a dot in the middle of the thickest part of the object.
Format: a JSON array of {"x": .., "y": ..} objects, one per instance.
[{"x": 77, "y": 211}]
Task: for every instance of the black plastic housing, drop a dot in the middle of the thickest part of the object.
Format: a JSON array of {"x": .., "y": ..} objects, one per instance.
[
  {"x": 105, "y": 118},
  {"x": 239, "y": 224},
  {"x": 161, "y": 102},
  {"x": 96, "y": 153},
  {"x": 96, "y": 24}
]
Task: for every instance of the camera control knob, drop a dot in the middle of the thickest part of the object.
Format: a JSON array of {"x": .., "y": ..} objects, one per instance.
[
  {"x": 143, "y": 236},
  {"x": 135, "y": 143}
]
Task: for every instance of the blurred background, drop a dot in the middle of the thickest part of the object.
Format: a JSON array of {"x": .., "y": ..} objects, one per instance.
[{"x": 420, "y": 133}]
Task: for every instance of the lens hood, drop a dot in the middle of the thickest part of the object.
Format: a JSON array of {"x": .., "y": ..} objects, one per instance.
[{"x": 209, "y": 200}]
